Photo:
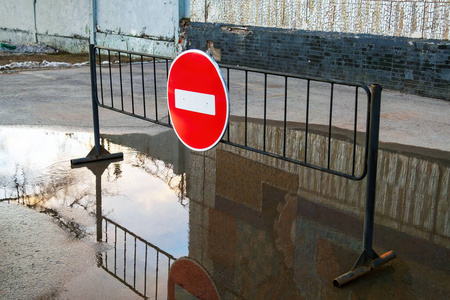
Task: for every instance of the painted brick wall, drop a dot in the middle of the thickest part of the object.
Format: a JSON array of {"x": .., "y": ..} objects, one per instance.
[{"x": 414, "y": 66}]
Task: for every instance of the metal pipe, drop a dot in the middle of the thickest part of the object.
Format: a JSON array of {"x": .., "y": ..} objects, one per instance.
[
  {"x": 110, "y": 78},
  {"x": 100, "y": 71},
  {"x": 265, "y": 111},
  {"x": 307, "y": 121},
  {"x": 156, "y": 88},
  {"x": 355, "y": 128},
  {"x": 143, "y": 86},
  {"x": 369, "y": 260},
  {"x": 228, "y": 87},
  {"x": 285, "y": 113},
  {"x": 375, "y": 102},
  {"x": 121, "y": 83},
  {"x": 94, "y": 98},
  {"x": 131, "y": 83},
  {"x": 329, "y": 126},
  {"x": 246, "y": 108},
  {"x": 98, "y": 152}
]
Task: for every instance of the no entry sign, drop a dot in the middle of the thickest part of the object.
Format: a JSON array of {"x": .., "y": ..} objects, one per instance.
[
  {"x": 198, "y": 100},
  {"x": 189, "y": 280}
]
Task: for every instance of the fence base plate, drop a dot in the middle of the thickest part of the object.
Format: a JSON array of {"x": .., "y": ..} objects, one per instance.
[
  {"x": 96, "y": 155},
  {"x": 361, "y": 269}
]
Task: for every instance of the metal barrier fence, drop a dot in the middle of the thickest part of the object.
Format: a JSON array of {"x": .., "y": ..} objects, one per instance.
[
  {"x": 132, "y": 83},
  {"x": 139, "y": 274}
]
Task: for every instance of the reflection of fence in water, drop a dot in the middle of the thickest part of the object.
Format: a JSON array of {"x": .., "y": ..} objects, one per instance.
[
  {"x": 138, "y": 264},
  {"x": 412, "y": 188}
]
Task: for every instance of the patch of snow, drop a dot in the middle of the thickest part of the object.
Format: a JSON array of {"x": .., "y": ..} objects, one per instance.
[{"x": 44, "y": 64}]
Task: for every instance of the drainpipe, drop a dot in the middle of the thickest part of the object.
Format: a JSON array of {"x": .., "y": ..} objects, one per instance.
[
  {"x": 93, "y": 21},
  {"x": 35, "y": 23}
]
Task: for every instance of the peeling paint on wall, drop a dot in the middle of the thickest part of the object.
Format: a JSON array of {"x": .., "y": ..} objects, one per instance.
[
  {"x": 429, "y": 19},
  {"x": 139, "y": 25}
]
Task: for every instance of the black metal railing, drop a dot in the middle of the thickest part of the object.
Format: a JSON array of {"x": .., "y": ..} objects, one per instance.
[
  {"x": 130, "y": 83},
  {"x": 134, "y": 84},
  {"x": 131, "y": 259},
  {"x": 269, "y": 94}
]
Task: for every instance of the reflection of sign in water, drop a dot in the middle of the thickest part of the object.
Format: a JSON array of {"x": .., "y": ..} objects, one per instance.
[
  {"x": 198, "y": 100},
  {"x": 188, "y": 280}
]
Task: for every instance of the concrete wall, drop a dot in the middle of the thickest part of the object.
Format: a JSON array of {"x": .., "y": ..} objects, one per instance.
[
  {"x": 17, "y": 21},
  {"x": 429, "y": 19},
  {"x": 139, "y": 25},
  {"x": 63, "y": 24},
  {"x": 143, "y": 26}
]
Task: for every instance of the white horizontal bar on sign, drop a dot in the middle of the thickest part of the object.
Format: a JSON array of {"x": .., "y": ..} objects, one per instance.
[{"x": 196, "y": 102}]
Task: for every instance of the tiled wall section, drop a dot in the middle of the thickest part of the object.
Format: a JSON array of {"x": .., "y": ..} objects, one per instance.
[
  {"x": 428, "y": 19},
  {"x": 410, "y": 65}
]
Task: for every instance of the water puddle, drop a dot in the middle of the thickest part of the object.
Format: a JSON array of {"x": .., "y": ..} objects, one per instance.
[{"x": 260, "y": 227}]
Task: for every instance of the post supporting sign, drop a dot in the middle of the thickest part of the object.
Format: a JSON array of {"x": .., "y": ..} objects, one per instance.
[{"x": 198, "y": 100}]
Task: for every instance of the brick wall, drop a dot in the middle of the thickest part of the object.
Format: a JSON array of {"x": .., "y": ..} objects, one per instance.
[{"x": 414, "y": 66}]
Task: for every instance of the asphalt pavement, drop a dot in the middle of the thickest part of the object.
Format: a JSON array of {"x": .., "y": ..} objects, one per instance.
[{"x": 60, "y": 99}]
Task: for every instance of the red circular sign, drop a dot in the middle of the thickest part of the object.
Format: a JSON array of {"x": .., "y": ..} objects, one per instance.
[
  {"x": 198, "y": 100},
  {"x": 187, "y": 278}
]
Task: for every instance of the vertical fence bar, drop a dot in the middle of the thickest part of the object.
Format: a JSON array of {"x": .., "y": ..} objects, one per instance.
[
  {"x": 375, "y": 104},
  {"x": 134, "y": 272},
  {"x": 110, "y": 78},
  {"x": 329, "y": 126},
  {"x": 131, "y": 84},
  {"x": 307, "y": 120},
  {"x": 145, "y": 271},
  {"x": 228, "y": 86},
  {"x": 115, "y": 249},
  {"x": 94, "y": 99},
  {"x": 125, "y": 256},
  {"x": 167, "y": 76},
  {"x": 100, "y": 69},
  {"x": 265, "y": 111},
  {"x": 143, "y": 86},
  {"x": 121, "y": 83},
  {"x": 246, "y": 106},
  {"x": 106, "y": 241},
  {"x": 285, "y": 114},
  {"x": 106, "y": 231},
  {"x": 355, "y": 128},
  {"x": 157, "y": 274},
  {"x": 156, "y": 94},
  {"x": 98, "y": 207}
]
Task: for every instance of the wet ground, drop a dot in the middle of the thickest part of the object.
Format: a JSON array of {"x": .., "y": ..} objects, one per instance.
[{"x": 260, "y": 228}]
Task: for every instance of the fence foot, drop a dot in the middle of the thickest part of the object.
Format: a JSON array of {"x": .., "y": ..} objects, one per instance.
[
  {"x": 96, "y": 155},
  {"x": 365, "y": 264}
]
